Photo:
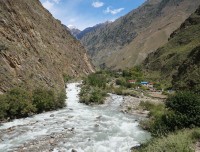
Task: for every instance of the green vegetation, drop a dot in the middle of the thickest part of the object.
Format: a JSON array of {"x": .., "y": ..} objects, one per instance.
[
  {"x": 66, "y": 78},
  {"x": 181, "y": 110},
  {"x": 177, "y": 63},
  {"x": 18, "y": 103},
  {"x": 168, "y": 123},
  {"x": 94, "y": 90},
  {"x": 181, "y": 141},
  {"x": 97, "y": 85},
  {"x": 92, "y": 95}
]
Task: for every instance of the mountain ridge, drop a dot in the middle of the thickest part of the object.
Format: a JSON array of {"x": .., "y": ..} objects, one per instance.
[
  {"x": 126, "y": 39},
  {"x": 177, "y": 62}
]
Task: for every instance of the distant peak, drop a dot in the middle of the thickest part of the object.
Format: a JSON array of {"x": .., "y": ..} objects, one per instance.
[{"x": 72, "y": 27}]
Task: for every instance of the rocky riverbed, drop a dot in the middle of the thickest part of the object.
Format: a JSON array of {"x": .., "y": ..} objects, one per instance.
[{"x": 131, "y": 104}]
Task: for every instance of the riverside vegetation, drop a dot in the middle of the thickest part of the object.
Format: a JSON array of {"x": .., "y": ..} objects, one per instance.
[
  {"x": 96, "y": 86},
  {"x": 176, "y": 118},
  {"x": 174, "y": 125},
  {"x": 18, "y": 103}
]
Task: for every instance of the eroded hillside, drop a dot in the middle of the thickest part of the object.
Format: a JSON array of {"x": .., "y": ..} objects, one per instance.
[
  {"x": 36, "y": 50},
  {"x": 177, "y": 62},
  {"x": 127, "y": 41}
]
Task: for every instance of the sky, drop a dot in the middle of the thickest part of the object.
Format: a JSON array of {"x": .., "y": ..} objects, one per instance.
[{"x": 87, "y": 13}]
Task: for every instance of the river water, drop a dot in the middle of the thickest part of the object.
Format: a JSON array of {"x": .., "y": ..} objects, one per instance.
[{"x": 101, "y": 128}]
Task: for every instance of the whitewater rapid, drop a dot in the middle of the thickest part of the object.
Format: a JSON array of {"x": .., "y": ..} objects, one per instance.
[{"x": 101, "y": 128}]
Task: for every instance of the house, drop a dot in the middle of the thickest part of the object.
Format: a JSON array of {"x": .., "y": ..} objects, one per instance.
[
  {"x": 144, "y": 83},
  {"x": 150, "y": 85},
  {"x": 132, "y": 81}
]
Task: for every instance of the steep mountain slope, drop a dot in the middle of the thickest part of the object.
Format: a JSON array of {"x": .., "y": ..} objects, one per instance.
[
  {"x": 83, "y": 33},
  {"x": 35, "y": 49},
  {"x": 128, "y": 40},
  {"x": 74, "y": 31},
  {"x": 178, "y": 60}
]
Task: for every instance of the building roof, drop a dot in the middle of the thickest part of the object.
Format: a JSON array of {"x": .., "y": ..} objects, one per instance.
[{"x": 144, "y": 82}]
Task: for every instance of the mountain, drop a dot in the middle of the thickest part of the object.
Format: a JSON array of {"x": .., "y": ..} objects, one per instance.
[
  {"x": 74, "y": 31},
  {"x": 177, "y": 62},
  {"x": 36, "y": 50},
  {"x": 128, "y": 40},
  {"x": 83, "y": 33}
]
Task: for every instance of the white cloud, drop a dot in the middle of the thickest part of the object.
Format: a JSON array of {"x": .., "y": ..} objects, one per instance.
[
  {"x": 113, "y": 11},
  {"x": 48, "y": 5},
  {"x": 97, "y": 4},
  {"x": 71, "y": 26}
]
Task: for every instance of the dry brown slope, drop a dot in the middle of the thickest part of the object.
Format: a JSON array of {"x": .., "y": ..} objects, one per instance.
[
  {"x": 105, "y": 40},
  {"x": 154, "y": 36},
  {"x": 36, "y": 49}
]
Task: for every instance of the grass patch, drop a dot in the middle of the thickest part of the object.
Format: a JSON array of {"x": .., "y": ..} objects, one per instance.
[{"x": 180, "y": 141}]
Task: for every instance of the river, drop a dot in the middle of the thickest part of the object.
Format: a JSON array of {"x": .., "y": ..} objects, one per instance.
[{"x": 101, "y": 128}]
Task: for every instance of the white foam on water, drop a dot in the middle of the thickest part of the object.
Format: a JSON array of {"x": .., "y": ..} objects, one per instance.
[{"x": 96, "y": 129}]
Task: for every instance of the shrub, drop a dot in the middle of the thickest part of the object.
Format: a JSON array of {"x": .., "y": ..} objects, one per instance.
[
  {"x": 92, "y": 95},
  {"x": 182, "y": 111},
  {"x": 181, "y": 141},
  {"x": 19, "y": 103},
  {"x": 97, "y": 96},
  {"x": 60, "y": 101},
  {"x": 3, "y": 106},
  {"x": 44, "y": 100},
  {"x": 96, "y": 80},
  {"x": 120, "y": 81},
  {"x": 186, "y": 110},
  {"x": 66, "y": 78}
]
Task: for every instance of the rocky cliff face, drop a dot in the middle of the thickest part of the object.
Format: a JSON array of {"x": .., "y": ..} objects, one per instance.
[
  {"x": 127, "y": 41},
  {"x": 36, "y": 50}
]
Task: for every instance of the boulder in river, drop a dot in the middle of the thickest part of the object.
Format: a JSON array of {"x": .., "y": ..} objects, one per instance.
[
  {"x": 73, "y": 150},
  {"x": 52, "y": 115}
]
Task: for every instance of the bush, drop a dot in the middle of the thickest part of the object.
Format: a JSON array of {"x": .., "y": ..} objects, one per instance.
[
  {"x": 66, "y": 78},
  {"x": 44, "y": 100},
  {"x": 186, "y": 110},
  {"x": 97, "y": 96},
  {"x": 181, "y": 141},
  {"x": 92, "y": 95},
  {"x": 19, "y": 103},
  {"x": 182, "y": 110},
  {"x": 3, "y": 107},
  {"x": 96, "y": 80},
  {"x": 60, "y": 101}
]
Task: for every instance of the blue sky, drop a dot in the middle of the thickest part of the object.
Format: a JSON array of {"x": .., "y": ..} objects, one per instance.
[{"x": 87, "y": 13}]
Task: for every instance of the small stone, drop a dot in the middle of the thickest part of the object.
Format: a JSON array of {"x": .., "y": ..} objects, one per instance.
[
  {"x": 99, "y": 117},
  {"x": 51, "y": 141},
  {"x": 52, "y": 115},
  {"x": 73, "y": 150},
  {"x": 72, "y": 129},
  {"x": 65, "y": 127},
  {"x": 96, "y": 125}
]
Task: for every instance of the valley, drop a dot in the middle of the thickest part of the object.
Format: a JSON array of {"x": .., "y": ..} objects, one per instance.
[{"x": 128, "y": 84}]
